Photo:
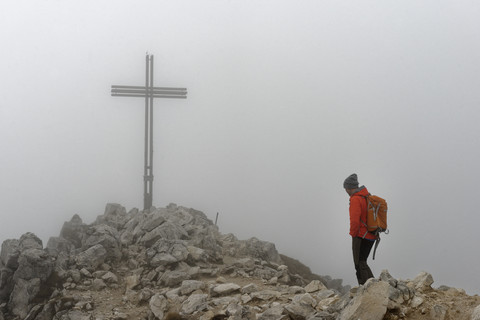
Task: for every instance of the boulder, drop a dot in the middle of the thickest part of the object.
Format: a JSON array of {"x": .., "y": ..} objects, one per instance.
[
  {"x": 115, "y": 216},
  {"x": 225, "y": 289},
  {"x": 188, "y": 286},
  {"x": 10, "y": 253},
  {"x": 106, "y": 236},
  {"x": 74, "y": 231},
  {"x": 423, "y": 280},
  {"x": 476, "y": 313},
  {"x": 370, "y": 302},
  {"x": 23, "y": 293},
  {"x": 196, "y": 302},
  {"x": 158, "y": 305},
  {"x": 29, "y": 241},
  {"x": 314, "y": 286},
  {"x": 34, "y": 263},
  {"x": 165, "y": 252},
  {"x": 167, "y": 230},
  {"x": 92, "y": 257},
  {"x": 298, "y": 311},
  {"x": 56, "y": 245}
]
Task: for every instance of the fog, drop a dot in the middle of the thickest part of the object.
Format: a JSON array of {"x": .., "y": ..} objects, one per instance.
[{"x": 285, "y": 100}]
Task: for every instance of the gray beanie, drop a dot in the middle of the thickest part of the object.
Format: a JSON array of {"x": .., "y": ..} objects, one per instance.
[{"x": 351, "y": 182}]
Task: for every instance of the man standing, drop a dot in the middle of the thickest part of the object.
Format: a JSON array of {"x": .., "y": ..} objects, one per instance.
[{"x": 362, "y": 240}]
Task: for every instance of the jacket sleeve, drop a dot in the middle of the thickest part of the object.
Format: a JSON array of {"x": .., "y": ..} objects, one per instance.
[{"x": 355, "y": 213}]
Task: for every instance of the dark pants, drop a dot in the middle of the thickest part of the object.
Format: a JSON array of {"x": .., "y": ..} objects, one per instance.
[{"x": 361, "y": 249}]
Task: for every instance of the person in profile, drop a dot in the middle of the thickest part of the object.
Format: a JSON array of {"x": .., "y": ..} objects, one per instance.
[{"x": 362, "y": 240}]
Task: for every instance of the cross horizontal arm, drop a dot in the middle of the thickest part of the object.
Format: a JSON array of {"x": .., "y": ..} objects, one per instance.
[
  {"x": 143, "y": 88},
  {"x": 183, "y": 96},
  {"x": 149, "y": 92}
]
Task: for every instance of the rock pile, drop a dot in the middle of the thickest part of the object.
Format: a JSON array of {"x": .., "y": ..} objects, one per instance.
[{"x": 141, "y": 265}]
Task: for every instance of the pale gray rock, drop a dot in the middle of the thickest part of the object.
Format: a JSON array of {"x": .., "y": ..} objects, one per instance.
[
  {"x": 108, "y": 237},
  {"x": 298, "y": 311},
  {"x": 30, "y": 241},
  {"x": 131, "y": 282},
  {"x": 76, "y": 315},
  {"x": 6, "y": 284},
  {"x": 417, "y": 301},
  {"x": 92, "y": 257},
  {"x": 173, "y": 278},
  {"x": 165, "y": 252},
  {"x": 322, "y": 315},
  {"x": 198, "y": 254},
  {"x": 110, "y": 277},
  {"x": 225, "y": 289},
  {"x": 304, "y": 299},
  {"x": 387, "y": 277},
  {"x": 153, "y": 220},
  {"x": 188, "y": 286},
  {"x": 295, "y": 290},
  {"x": 265, "y": 295},
  {"x": 98, "y": 284},
  {"x": 10, "y": 253},
  {"x": 324, "y": 294},
  {"x": 326, "y": 303},
  {"x": 23, "y": 293},
  {"x": 476, "y": 313},
  {"x": 273, "y": 313},
  {"x": 34, "y": 263},
  {"x": 56, "y": 245},
  {"x": 196, "y": 302},
  {"x": 314, "y": 286},
  {"x": 74, "y": 231},
  {"x": 166, "y": 230},
  {"x": 158, "y": 305},
  {"x": 423, "y": 280},
  {"x": 249, "y": 288},
  {"x": 370, "y": 302},
  {"x": 256, "y": 248},
  {"x": 115, "y": 216},
  {"x": 438, "y": 312},
  {"x": 225, "y": 301}
]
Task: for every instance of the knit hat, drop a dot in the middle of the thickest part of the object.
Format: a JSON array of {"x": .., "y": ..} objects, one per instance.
[{"x": 351, "y": 182}]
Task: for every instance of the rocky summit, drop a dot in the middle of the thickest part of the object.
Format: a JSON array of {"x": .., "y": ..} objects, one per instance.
[{"x": 173, "y": 263}]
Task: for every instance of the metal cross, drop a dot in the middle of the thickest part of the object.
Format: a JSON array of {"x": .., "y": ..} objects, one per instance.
[{"x": 148, "y": 92}]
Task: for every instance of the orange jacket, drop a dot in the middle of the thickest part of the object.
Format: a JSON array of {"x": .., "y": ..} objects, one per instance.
[{"x": 358, "y": 213}]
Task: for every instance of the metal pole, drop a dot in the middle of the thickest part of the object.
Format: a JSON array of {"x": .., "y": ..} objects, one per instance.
[
  {"x": 145, "y": 174},
  {"x": 151, "y": 131},
  {"x": 216, "y": 219}
]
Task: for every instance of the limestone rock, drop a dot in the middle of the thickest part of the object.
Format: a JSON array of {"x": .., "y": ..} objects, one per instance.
[
  {"x": 476, "y": 313},
  {"x": 196, "y": 302},
  {"x": 371, "y": 303},
  {"x": 106, "y": 236},
  {"x": 315, "y": 285},
  {"x": 188, "y": 286},
  {"x": 298, "y": 311},
  {"x": 225, "y": 289},
  {"x": 10, "y": 253},
  {"x": 74, "y": 231},
  {"x": 92, "y": 257},
  {"x": 158, "y": 305},
  {"x": 423, "y": 280}
]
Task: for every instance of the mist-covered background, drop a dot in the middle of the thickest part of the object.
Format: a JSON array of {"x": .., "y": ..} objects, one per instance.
[{"x": 285, "y": 100}]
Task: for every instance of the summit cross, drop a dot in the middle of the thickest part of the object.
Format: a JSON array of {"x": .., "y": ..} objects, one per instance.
[{"x": 149, "y": 92}]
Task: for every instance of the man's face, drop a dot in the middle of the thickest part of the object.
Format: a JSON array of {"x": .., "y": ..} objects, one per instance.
[{"x": 349, "y": 191}]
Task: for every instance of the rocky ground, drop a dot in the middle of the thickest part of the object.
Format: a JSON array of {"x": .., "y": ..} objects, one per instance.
[{"x": 142, "y": 265}]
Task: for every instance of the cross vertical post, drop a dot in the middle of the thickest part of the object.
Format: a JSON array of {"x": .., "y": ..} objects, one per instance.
[{"x": 148, "y": 92}]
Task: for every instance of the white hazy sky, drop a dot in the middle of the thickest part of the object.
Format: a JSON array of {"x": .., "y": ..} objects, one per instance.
[{"x": 286, "y": 99}]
